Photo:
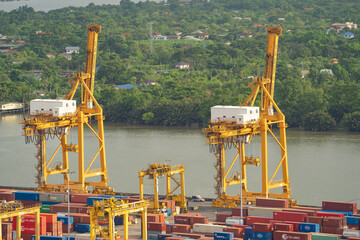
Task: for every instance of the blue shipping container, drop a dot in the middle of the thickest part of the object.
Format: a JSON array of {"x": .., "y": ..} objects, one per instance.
[
  {"x": 169, "y": 211},
  {"x": 248, "y": 232},
  {"x": 262, "y": 235},
  {"x": 27, "y": 196},
  {"x": 352, "y": 220},
  {"x": 112, "y": 196},
  {"x": 82, "y": 228},
  {"x": 309, "y": 227},
  {"x": 65, "y": 220},
  {"x": 247, "y": 238},
  {"x": 163, "y": 236},
  {"x": 44, "y": 237},
  {"x": 70, "y": 238},
  {"x": 223, "y": 236},
  {"x": 119, "y": 220},
  {"x": 49, "y": 203}
]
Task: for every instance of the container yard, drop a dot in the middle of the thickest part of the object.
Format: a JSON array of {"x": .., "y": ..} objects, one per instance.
[{"x": 268, "y": 219}]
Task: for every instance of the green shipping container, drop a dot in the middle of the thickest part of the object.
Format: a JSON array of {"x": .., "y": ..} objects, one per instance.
[
  {"x": 317, "y": 236},
  {"x": 45, "y": 209}
]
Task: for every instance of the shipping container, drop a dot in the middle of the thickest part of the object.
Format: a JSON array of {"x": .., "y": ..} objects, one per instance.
[
  {"x": 257, "y": 219},
  {"x": 182, "y": 228},
  {"x": 223, "y": 236},
  {"x": 324, "y": 236},
  {"x": 82, "y": 228},
  {"x": 235, "y": 220},
  {"x": 182, "y": 219},
  {"x": 53, "y": 197},
  {"x": 262, "y": 211},
  {"x": 238, "y": 232},
  {"x": 158, "y": 227},
  {"x": 340, "y": 206},
  {"x": 65, "y": 220},
  {"x": 221, "y": 217},
  {"x": 27, "y": 196},
  {"x": 283, "y": 227},
  {"x": 309, "y": 212},
  {"x": 351, "y": 233},
  {"x": 309, "y": 227},
  {"x": 334, "y": 222},
  {"x": 262, "y": 235},
  {"x": 154, "y": 234},
  {"x": 332, "y": 230},
  {"x": 272, "y": 203},
  {"x": 295, "y": 225},
  {"x": 329, "y": 214},
  {"x": 190, "y": 235},
  {"x": 237, "y": 211},
  {"x": 198, "y": 219},
  {"x": 350, "y": 220},
  {"x": 163, "y": 236},
  {"x": 207, "y": 228},
  {"x": 290, "y": 216},
  {"x": 248, "y": 232},
  {"x": 284, "y": 235},
  {"x": 262, "y": 227}
]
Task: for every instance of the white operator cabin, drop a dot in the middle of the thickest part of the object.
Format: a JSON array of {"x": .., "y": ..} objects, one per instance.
[
  {"x": 235, "y": 114},
  {"x": 52, "y": 107}
]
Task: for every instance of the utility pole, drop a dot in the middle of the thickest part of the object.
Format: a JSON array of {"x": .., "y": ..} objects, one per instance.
[{"x": 151, "y": 37}]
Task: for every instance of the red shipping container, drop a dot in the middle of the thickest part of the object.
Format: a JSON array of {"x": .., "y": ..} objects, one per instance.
[
  {"x": 285, "y": 235},
  {"x": 168, "y": 228},
  {"x": 182, "y": 219},
  {"x": 190, "y": 235},
  {"x": 241, "y": 227},
  {"x": 198, "y": 219},
  {"x": 250, "y": 220},
  {"x": 314, "y": 219},
  {"x": 328, "y": 214},
  {"x": 295, "y": 225},
  {"x": 238, "y": 232},
  {"x": 237, "y": 211},
  {"x": 309, "y": 212},
  {"x": 28, "y": 224},
  {"x": 261, "y": 227},
  {"x": 74, "y": 208},
  {"x": 81, "y": 197},
  {"x": 355, "y": 227},
  {"x": 29, "y": 203},
  {"x": 352, "y": 238},
  {"x": 183, "y": 228},
  {"x": 334, "y": 222},
  {"x": 273, "y": 203},
  {"x": 155, "y": 217},
  {"x": 8, "y": 196},
  {"x": 289, "y": 216},
  {"x": 66, "y": 227},
  {"x": 221, "y": 217},
  {"x": 51, "y": 227},
  {"x": 307, "y": 208},
  {"x": 276, "y": 221},
  {"x": 283, "y": 227},
  {"x": 26, "y": 236},
  {"x": 333, "y": 230},
  {"x": 218, "y": 223},
  {"x": 193, "y": 214},
  {"x": 159, "y": 227},
  {"x": 340, "y": 206}
]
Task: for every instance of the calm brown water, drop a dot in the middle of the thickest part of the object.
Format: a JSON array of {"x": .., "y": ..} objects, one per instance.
[{"x": 322, "y": 166}]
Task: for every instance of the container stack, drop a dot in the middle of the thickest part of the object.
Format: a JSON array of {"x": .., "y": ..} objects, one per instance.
[{"x": 270, "y": 219}]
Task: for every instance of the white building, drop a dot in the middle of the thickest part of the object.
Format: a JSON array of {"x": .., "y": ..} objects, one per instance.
[
  {"x": 52, "y": 107},
  {"x": 71, "y": 50},
  {"x": 234, "y": 114}
]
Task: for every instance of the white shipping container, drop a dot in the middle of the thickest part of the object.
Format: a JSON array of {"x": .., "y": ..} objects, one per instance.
[
  {"x": 233, "y": 220},
  {"x": 262, "y": 211},
  {"x": 82, "y": 236},
  {"x": 52, "y": 107},
  {"x": 234, "y": 114},
  {"x": 53, "y": 197},
  {"x": 351, "y": 233},
  {"x": 207, "y": 228}
]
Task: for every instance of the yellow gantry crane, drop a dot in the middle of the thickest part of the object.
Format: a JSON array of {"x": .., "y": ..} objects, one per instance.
[
  {"x": 47, "y": 121},
  {"x": 224, "y": 132},
  {"x": 107, "y": 209},
  {"x": 157, "y": 170},
  {"x": 15, "y": 209}
]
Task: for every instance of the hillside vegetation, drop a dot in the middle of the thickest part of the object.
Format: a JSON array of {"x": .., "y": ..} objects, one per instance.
[{"x": 318, "y": 71}]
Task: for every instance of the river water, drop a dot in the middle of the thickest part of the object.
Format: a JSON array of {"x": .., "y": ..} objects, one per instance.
[
  {"x": 47, "y": 5},
  {"x": 322, "y": 166}
]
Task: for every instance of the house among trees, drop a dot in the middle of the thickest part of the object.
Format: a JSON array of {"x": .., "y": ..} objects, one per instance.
[
  {"x": 348, "y": 35},
  {"x": 328, "y": 71},
  {"x": 178, "y": 33},
  {"x": 245, "y": 34},
  {"x": 50, "y": 55},
  {"x": 182, "y": 65},
  {"x": 66, "y": 55},
  {"x": 203, "y": 36},
  {"x": 71, "y": 50},
  {"x": 10, "y": 106},
  {"x": 185, "y": 1},
  {"x": 125, "y": 86},
  {"x": 337, "y": 27},
  {"x": 334, "y": 61}
]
